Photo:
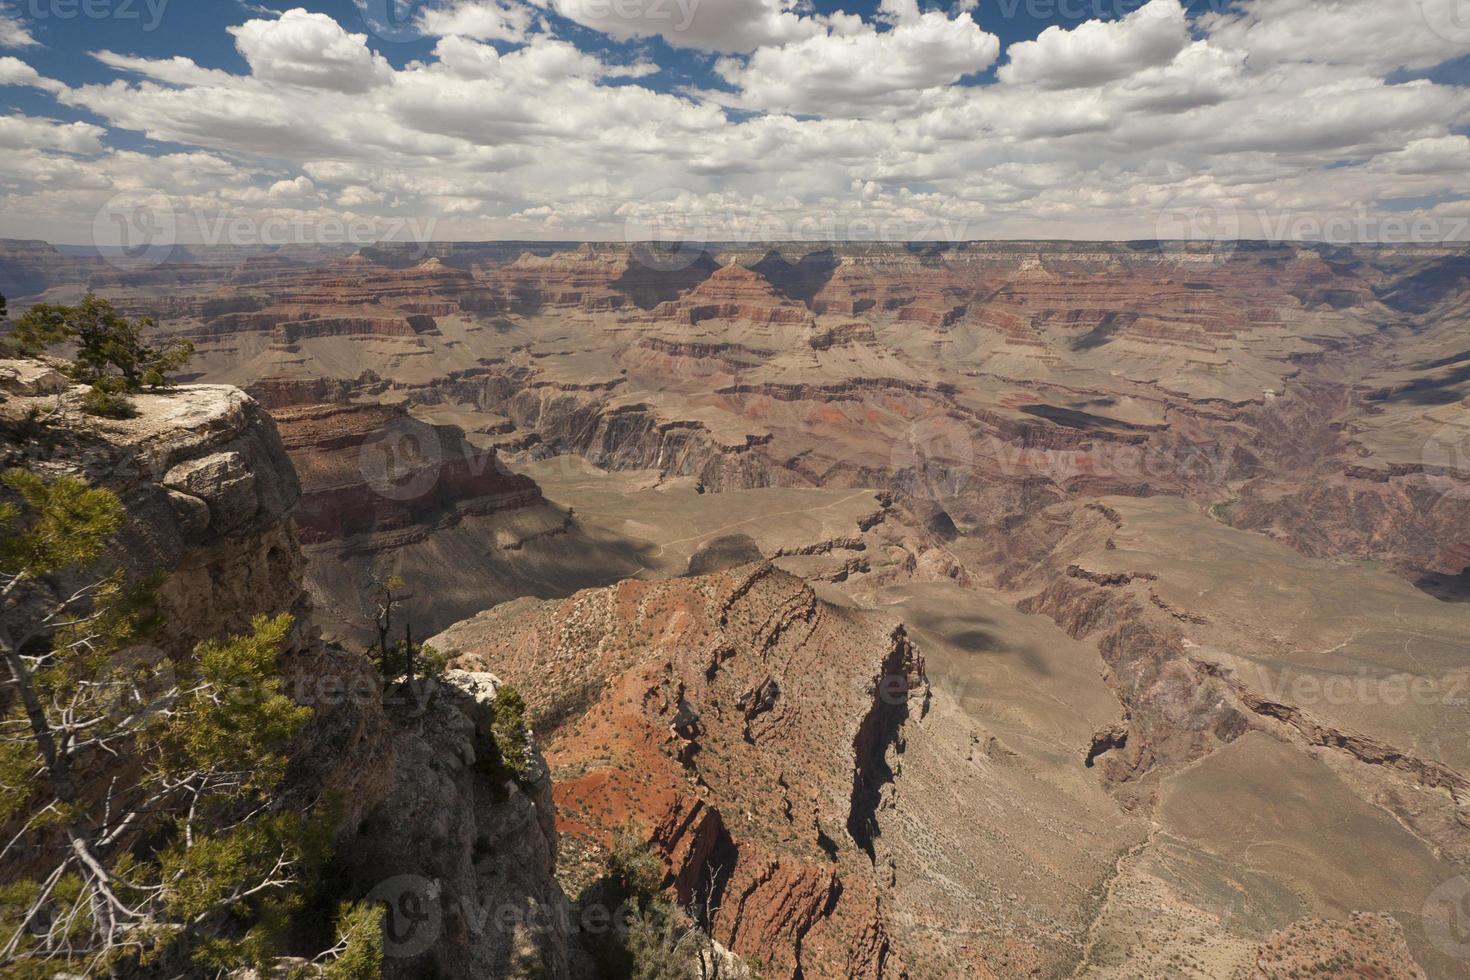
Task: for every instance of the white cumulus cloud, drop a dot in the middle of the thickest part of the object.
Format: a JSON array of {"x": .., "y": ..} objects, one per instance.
[
  {"x": 31, "y": 133},
  {"x": 842, "y": 73},
  {"x": 1099, "y": 51},
  {"x": 1376, "y": 34},
  {"x": 482, "y": 20},
  {"x": 311, "y": 50}
]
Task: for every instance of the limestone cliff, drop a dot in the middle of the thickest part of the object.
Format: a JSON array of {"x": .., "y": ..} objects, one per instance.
[
  {"x": 209, "y": 494},
  {"x": 462, "y": 861}
]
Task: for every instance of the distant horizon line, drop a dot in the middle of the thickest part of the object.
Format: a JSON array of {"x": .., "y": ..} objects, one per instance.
[{"x": 1191, "y": 242}]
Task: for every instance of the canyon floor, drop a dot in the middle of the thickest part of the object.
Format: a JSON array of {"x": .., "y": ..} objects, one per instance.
[{"x": 1000, "y": 609}]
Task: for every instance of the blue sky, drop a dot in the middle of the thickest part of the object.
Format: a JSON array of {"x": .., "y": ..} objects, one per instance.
[
  {"x": 164, "y": 28},
  {"x": 612, "y": 119}
]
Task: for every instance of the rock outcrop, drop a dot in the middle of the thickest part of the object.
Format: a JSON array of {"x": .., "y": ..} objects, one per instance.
[
  {"x": 749, "y": 729},
  {"x": 734, "y": 293},
  {"x": 209, "y": 493},
  {"x": 463, "y": 861},
  {"x": 368, "y": 469}
]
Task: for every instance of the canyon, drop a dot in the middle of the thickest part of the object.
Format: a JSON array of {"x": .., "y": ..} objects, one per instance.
[{"x": 986, "y": 609}]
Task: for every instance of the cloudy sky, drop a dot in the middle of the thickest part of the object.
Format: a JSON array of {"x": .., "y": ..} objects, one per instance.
[{"x": 234, "y": 120}]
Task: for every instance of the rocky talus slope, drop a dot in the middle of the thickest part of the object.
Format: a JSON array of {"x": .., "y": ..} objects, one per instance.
[{"x": 210, "y": 494}]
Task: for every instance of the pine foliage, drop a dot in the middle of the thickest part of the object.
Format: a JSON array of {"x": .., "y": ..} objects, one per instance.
[{"x": 137, "y": 790}]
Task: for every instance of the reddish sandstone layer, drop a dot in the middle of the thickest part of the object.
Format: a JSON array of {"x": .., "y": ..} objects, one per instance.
[
  {"x": 748, "y": 728},
  {"x": 367, "y": 468}
]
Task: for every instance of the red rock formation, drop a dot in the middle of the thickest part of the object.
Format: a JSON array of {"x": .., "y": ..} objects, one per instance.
[
  {"x": 850, "y": 291},
  {"x": 734, "y": 293},
  {"x": 748, "y": 728},
  {"x": 367, "y": 468}
]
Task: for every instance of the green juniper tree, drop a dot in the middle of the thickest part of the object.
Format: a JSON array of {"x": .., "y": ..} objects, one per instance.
[
  {"x": 505, "y": 751},
  {"x": 111, "y": 354},
  {"x": 136, "y": 790}
]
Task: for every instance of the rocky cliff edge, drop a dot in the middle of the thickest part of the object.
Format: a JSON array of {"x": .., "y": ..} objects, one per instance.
[{"x": 463, "y": 865}]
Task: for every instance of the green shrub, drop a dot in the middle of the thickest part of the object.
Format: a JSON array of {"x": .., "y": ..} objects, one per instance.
[
  {"x": 167, "y": 809},
  {"x": 634, "y": 867},
  {"x": 511, "y": 734},
  {"x": 660, "y": 946},
  {"x": 505, "y": 751},
  {"x": 103, "y": 399}
]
